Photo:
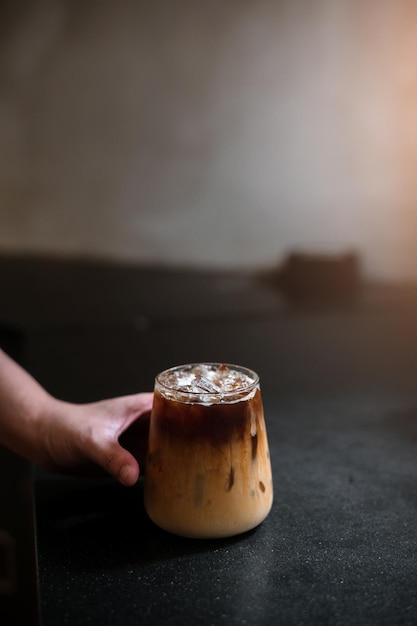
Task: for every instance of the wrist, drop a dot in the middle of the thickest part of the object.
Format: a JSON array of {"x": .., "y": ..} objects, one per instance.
[{"x": 23, "y": 424}]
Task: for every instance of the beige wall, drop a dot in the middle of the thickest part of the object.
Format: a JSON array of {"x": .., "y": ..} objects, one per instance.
[{"x": 209, "y": 133}]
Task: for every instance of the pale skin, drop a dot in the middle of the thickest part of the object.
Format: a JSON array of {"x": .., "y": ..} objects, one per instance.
[{"x": 72, "y": 438}]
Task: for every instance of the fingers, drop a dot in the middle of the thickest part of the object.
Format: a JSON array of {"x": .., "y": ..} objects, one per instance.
[
  {"x": 138, "y": 405},
  {"x": 92, "y": 432},
  {"x": 119, "y": 463},
  {"x": 145, "y": 400}
]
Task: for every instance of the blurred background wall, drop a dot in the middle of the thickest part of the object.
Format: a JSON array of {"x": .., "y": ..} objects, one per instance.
[{"x": 210, "y": 133}]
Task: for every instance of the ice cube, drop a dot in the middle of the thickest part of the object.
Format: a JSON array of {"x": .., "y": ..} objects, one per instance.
[{"x": 203, "y": 383}]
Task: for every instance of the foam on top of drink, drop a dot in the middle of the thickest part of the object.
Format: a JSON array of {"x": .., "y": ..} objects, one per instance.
[{"x": 207, "y": 382}]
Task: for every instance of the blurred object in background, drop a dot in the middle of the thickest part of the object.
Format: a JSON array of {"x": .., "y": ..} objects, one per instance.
[{"x": 319, "y": 279}]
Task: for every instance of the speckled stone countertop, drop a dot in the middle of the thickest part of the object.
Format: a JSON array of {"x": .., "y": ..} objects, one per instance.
[{"x": 339, "y": 546}]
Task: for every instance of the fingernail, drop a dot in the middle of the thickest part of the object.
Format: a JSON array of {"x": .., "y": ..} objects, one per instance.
[{"x": 125, "y": 475}]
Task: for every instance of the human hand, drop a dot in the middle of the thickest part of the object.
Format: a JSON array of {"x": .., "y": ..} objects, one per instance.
[
  {"x": 76, "y": 438},
  {"x": 110, "y": 434}
]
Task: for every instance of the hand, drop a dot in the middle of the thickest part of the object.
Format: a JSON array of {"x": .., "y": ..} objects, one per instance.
[
  {"x": 77, "y": 438},
  {"x": 110, "y": 434}
]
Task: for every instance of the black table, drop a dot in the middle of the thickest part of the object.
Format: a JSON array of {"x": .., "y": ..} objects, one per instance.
[{"x": 340, "y": 544}]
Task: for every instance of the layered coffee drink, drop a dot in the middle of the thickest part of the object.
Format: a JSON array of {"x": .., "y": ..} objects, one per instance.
[{"x": 208, "y": 471}]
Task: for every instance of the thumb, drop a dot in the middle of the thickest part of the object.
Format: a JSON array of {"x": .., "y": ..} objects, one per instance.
[{"x": 120, "y": 464}]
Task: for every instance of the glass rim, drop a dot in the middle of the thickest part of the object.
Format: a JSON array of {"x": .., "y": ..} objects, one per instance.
[{"x": 197, "y": 394}]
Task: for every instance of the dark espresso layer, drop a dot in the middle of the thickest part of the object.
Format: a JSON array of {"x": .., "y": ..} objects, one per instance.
[{"x": 215, "y": 424}]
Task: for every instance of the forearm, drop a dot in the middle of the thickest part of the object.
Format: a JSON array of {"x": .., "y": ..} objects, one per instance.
[{"x": 22, "y": 402}]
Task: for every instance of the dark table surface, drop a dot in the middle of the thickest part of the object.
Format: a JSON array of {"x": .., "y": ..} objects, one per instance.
[
  {"x": 339, "y": 546},
  {"x": 340, "y": 396}
]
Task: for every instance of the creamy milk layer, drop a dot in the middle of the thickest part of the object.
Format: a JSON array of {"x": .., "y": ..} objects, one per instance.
[{"x": 208, "y": 470}]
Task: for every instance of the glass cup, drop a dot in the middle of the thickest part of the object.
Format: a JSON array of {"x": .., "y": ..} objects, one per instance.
[{"x": 208, "y": 470}]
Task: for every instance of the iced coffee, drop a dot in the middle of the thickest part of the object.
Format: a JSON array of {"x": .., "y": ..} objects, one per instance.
[{"x": 208, "y": 471}]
